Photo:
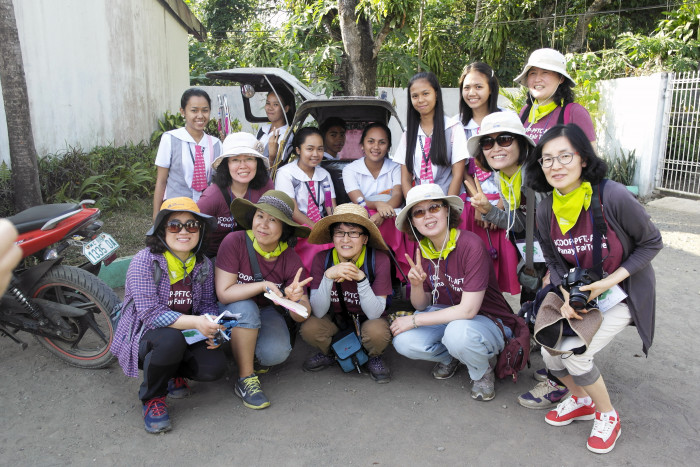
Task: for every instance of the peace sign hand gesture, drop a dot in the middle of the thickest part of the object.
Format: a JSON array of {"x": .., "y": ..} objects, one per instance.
[
  {"x": 295, "y": 290},
  {"x": 416, "y": 274},
  {"x": 479, "y": 200}
]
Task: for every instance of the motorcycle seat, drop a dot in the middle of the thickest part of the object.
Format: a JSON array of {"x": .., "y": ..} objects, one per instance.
[{"x": 35, "y": 217}]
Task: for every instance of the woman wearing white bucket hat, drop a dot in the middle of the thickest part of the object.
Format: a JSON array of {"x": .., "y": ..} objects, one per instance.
[
  {"x": 244, "y": 174},
  {"x": 454, "y": 290},
  {"x": 550, "y": 97}
]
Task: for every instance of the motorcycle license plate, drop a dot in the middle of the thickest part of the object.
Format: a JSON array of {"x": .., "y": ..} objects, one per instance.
[{"x": 100, "y": 248}]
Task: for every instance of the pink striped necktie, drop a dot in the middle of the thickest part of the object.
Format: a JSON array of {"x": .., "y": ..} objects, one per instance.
[
  {"x": 426, "y": 168},
  {"x": 199, "y": 176},
  {"x": 312, "y": 209}
]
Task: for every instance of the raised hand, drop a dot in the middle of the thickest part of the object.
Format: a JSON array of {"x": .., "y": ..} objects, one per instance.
[
  {"x": 479, "y": 200},
  {"x": 295, "y": 290},
  {"x": 416, "y": 274}
]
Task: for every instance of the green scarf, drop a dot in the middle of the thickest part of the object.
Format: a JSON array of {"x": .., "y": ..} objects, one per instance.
[
  {"x": 510, "y": 187},
  {"x": 360, "y": 259},
  {"x": 176, "y": 271},
  {"x": 281, "y": 246},
  {"x": 428, "y": 249},
  {"x": 567, "y": 207},
  {"x": 537, "y": 112}
]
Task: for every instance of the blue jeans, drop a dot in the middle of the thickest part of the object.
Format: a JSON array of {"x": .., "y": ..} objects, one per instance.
[
  {"x": 472, "y": 341},
  {"x": 273, "y": 345}
]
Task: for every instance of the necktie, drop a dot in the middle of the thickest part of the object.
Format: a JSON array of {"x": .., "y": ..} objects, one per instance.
[
  {"x": 199, "y": 176},
  {"x": 426, "y": 168},
  {"x": 312, "y": 209}
]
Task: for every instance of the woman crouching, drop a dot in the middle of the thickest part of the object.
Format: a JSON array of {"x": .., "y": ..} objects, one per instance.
[
  {"x": 169, "y": 288},
  {"x": 356, "y": 269},
  {"x": 453, "y": 287}
]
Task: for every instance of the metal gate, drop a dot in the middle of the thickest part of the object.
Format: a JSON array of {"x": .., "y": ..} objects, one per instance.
[{"x": 679, "y": 171}]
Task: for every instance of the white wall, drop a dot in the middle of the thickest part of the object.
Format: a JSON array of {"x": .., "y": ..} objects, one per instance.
[
  {"x": 98, "y": 71},
  {"x": 631, "y": 117}
]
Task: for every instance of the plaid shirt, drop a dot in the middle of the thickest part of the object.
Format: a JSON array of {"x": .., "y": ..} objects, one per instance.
[{"x": 145, "y": 306}]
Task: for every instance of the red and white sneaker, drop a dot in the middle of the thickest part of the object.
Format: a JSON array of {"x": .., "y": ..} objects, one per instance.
[
  {"x": 568, "y": 411},
  {"x": 606, "y": 430}
]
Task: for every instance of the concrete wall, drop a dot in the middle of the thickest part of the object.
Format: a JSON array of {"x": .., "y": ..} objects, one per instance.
[
  {"x": 631, "y": 112},
  {"x": 98, "y": 71}
]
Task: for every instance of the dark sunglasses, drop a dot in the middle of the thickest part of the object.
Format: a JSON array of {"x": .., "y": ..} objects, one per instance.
[
  {"x": 504, "y": 140},
  {"x": 191, "y": 226},
  {"x": 432, "y": 209}
]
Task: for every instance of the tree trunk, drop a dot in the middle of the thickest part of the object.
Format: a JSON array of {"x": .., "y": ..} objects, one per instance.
[
  {"x": 25, "y": 170},
  {"x": 361, "y": 69},
  {"x": 582, "y": 25}
]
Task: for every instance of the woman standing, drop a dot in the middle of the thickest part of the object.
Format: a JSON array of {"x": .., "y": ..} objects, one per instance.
[
  {"x": 569, "y": 167},
  {"x": 251, "y": 263},
  {"x": 169, "y": 288},
  {"x": 185, "y": 154},
  {"x": 454, "y": 290},
  {"x": 550, "y": 97},
  {"x": 433, "y": 147},
  {"x": 244, "y": 174},
  {"x": 280, "y": 109}
]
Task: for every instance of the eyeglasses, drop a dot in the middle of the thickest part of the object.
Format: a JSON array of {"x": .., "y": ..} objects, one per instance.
[
  {"x": 432, "y": 209},
  {"x": 564, "y": 159},
  {"x": 351, "y": 234},
  {"x": 504, "y": 140},
  {"x": 191, "y": 226}
]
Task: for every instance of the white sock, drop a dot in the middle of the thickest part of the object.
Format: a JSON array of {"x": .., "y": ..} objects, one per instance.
[
  {"x": 612, "y": 413},
  {"x": 584, "y": 400}
]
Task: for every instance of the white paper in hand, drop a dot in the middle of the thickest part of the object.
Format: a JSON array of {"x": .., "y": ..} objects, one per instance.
[{"x": 295, "y": 307}]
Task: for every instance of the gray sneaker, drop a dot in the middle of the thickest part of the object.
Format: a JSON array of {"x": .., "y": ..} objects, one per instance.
[
  {"x": 442, "y": 371},
  {"x": 249, "y": 390},
  {"x": 483, "y": 389},
  {"x": 378, "y": 371}
]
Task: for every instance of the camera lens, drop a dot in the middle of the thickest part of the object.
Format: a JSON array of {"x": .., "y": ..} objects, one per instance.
[{"x": 578, "y": 299}]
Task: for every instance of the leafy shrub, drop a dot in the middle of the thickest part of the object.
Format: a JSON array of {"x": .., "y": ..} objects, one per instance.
[{"x": 622, "y": 167}]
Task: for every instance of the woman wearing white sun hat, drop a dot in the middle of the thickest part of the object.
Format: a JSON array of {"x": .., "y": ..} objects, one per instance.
[
  {"x": 550, "y": 96},
  {"x": 454, "y": 290},
  {"x": 244, "y": 175}
]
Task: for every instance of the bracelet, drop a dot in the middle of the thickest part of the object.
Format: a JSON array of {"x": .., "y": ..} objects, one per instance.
[
  {"x": 363, "y": 279},
  {"x": 415, "y": 326}
]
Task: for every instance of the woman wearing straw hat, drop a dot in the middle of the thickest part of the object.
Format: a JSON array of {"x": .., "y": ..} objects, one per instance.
[
  {"x": 358, "y": 252},
  {"x": 454, "y": 290},
  {"x": 158, "y": 306},
  {"x": 244, "y": 174},
  {"x": 262, "y": 332},
  {"x": 550, "y": 96}
]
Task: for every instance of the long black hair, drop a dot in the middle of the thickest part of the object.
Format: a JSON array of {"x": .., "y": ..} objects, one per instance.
[
  {"x": 594, "y": 170},
  {"x": 438, "y": 146},
  {"x": 222, "y": 175},
  {"x": 156, "y": 242},
  {"x": 465, "y": 112}
]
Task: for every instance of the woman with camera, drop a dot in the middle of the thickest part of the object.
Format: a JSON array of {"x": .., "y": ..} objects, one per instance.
[{"x": 568, "y": 221}]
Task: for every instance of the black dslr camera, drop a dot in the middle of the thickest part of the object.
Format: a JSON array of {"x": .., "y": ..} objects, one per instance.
[{"x": 573, "y": 281}]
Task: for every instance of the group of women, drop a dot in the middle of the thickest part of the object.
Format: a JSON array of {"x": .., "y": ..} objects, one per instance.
[{"x": 463, "y": 183}]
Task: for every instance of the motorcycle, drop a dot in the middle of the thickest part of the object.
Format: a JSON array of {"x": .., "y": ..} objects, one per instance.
[{"x": 68, "y": 309}]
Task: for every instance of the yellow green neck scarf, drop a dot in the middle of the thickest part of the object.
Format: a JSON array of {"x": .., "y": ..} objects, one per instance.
[
  {"x": 176, "y": 272},
  {"x": 510, "y": 187},
  {"x": 428, "y": 249},
  {"x": 360, "y": 259},
  {"x": 539, "y": 111},
  {"x": 281, "y": 246},
  {"x": 567, "y": 207}
]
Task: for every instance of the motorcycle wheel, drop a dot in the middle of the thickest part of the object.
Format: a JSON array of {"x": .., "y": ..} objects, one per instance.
[{"x": 92, "y": 334}]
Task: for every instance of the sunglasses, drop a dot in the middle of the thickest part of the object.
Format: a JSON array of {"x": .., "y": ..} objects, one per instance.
[
  {"x": 504, "y": 140},
  {"x": 432, "y": 209},
  {"x": 191, "y": 226}
]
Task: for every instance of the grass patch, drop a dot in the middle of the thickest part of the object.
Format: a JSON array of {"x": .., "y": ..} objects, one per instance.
[{"x": 129, "y": 224}]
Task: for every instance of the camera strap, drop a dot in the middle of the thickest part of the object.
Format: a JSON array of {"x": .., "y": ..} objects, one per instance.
[{"x": 599, "y": 228}]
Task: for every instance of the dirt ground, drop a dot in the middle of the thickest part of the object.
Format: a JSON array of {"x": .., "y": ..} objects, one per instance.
[{"x": 53, "y": 414}]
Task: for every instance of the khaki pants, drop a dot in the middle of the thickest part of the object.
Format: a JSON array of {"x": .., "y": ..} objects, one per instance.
[{"x": 318, "y": 332}]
